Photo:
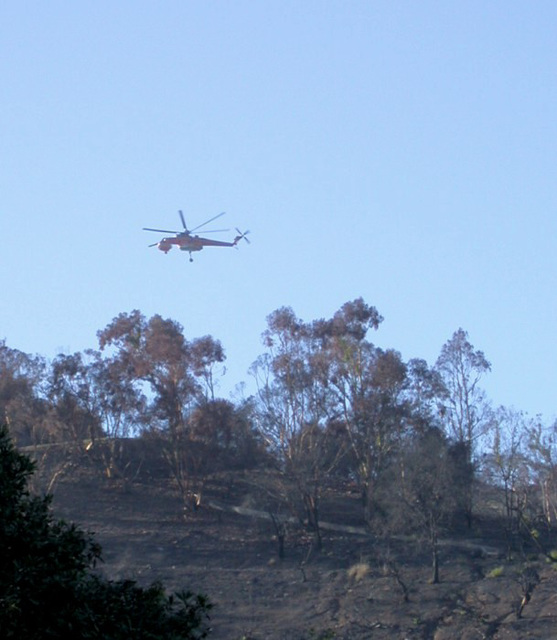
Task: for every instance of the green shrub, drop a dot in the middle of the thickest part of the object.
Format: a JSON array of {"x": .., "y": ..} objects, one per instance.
[
  {"x": 497, "y": 572},
  {"x": 552, "y": 555},
  {"x": 48, "y": 589}
]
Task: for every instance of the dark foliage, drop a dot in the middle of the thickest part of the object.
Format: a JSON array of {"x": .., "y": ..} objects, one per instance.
[{"x": 48, "y": 588}]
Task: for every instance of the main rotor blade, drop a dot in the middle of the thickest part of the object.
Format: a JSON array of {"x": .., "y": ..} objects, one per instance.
[
  {"x": 153, "y": 245},
  {"x": 183, "y": 220},
  {"x": 215, "y": 231},
  {"x": 211, "y": 220},
  {"x": 161, "y": 230}
]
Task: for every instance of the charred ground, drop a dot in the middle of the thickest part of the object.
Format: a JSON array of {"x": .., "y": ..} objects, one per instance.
[{"x": 358, "y": 586}]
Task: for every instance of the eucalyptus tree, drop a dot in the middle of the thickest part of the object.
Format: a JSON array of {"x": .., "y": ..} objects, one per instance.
[
  {"x": 169, "y": 370},
  {"x": 94, "y": 404},
  {"x": 156, "y": 353},
  {"x": 424, "y": 390},
  {"x": 72, "y": 420},
  {"x": 464, "y": 405},
  {"x": 207, "y": 360},
  {"x": 293, "y": 408},
  {"x": 120, "y": 405},
  {"x": 321, "y": 380},
  {"x": 22, "y": 403},
  {"x": 368, "y": 385},
  {"x": 72, "y": 399}
]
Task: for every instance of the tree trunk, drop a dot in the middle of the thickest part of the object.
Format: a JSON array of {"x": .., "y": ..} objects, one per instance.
[
  {"x": 367, "y": 500},
  {"x": 312, "y": 511},
  {"x": 435, "y": 558},
  {"x": 280, "y": 530}
]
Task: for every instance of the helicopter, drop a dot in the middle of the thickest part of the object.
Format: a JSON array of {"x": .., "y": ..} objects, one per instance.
[{"x": 190, "y": 243}]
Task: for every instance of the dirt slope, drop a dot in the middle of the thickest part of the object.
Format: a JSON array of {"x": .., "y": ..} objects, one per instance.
[{"x": 344, "y": 592}]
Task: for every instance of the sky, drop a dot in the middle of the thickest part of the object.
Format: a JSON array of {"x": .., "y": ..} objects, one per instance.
[{"x": 400, "y": 151}]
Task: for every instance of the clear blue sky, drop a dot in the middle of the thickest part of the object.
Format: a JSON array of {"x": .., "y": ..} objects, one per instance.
[{"x": 405, "y": 152}]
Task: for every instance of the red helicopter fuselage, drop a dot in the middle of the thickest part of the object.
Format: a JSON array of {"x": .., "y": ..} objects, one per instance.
[{"x": 193, "y": 243}]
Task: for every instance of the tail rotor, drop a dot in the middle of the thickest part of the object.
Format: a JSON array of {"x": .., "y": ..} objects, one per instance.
[{"x": 241, "y": 236}]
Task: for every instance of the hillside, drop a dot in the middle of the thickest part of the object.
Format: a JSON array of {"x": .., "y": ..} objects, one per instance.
[{"x": 353, "y": 589}]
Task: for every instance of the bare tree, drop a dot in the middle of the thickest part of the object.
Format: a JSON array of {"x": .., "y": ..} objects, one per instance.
[
  {"x": 508, "y": 466},
  {"x": 542, "y": 446},
  {"x": 527, "y": 579},
  {"x": 463, "y": 405},
  {"x": 425, "y": 487}
]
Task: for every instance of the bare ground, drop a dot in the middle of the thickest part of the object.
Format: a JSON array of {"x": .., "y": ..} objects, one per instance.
[{"x": 343, "y": 592}]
